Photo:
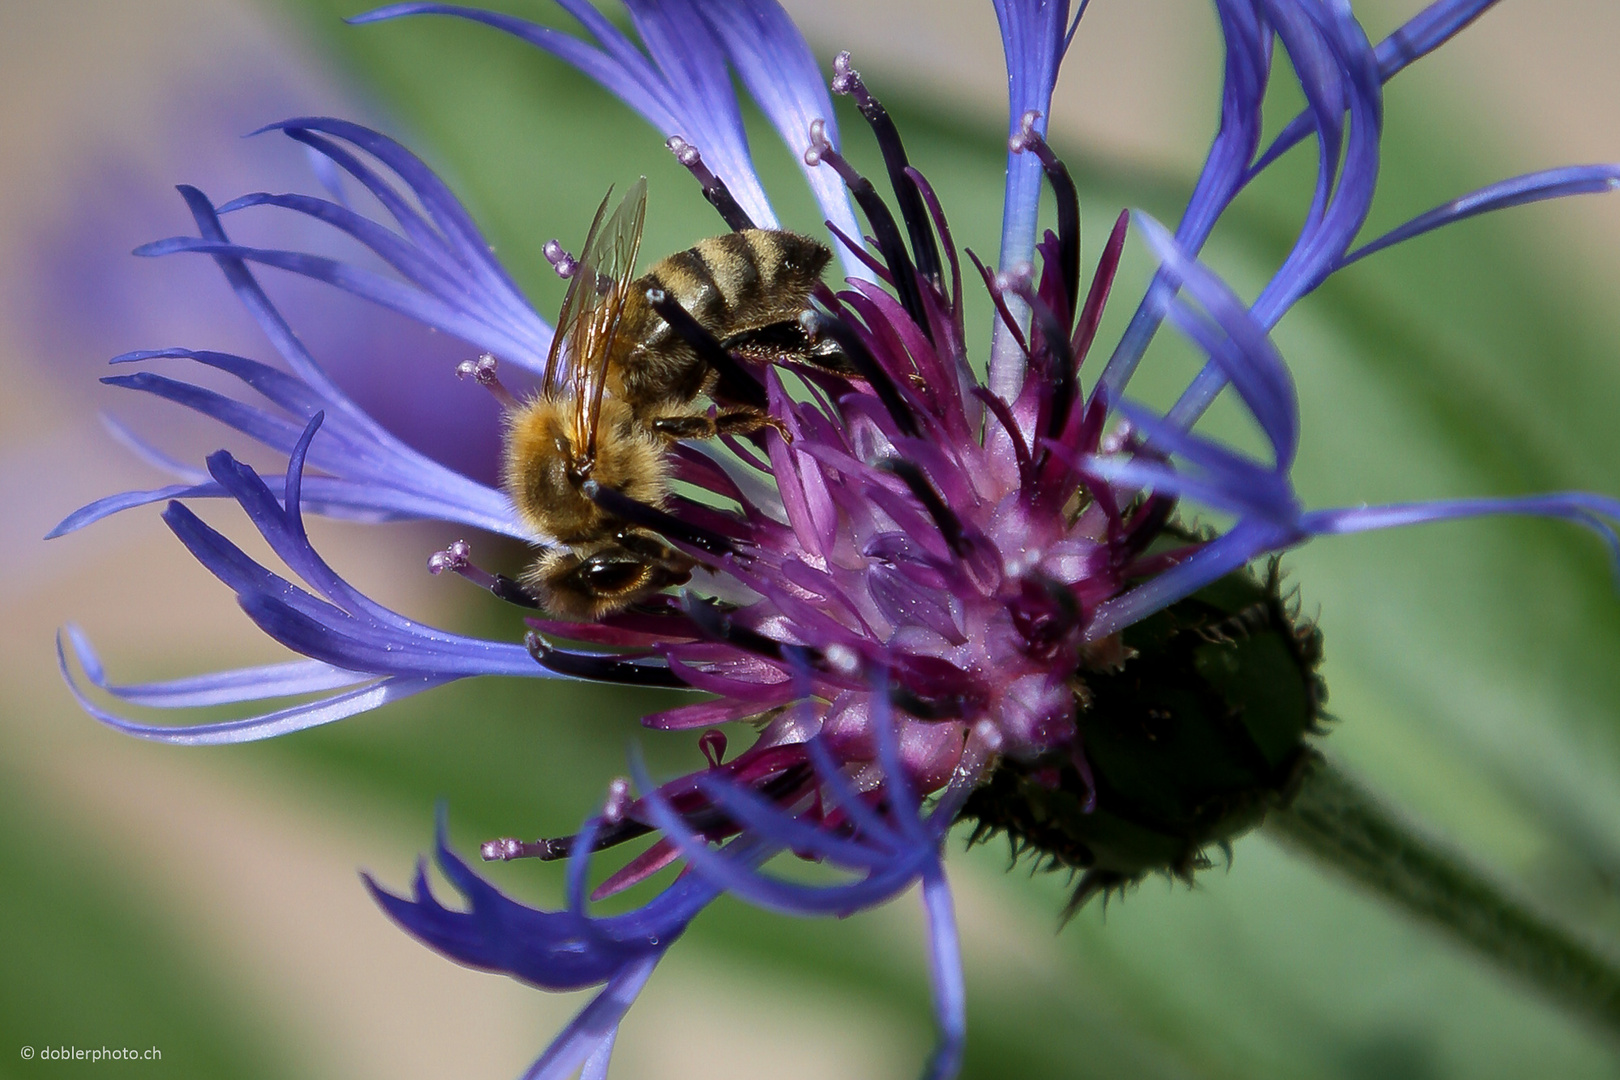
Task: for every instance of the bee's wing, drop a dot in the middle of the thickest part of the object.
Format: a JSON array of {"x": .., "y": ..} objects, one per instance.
[
  {"x": 575, "y": 306},
  {"x": 609, "y": 265}
]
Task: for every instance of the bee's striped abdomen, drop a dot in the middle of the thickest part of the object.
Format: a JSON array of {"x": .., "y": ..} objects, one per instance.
[{"x": 742, "y": 280}]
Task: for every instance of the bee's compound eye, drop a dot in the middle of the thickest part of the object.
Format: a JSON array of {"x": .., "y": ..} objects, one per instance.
[{"x": 612, "y": 576}]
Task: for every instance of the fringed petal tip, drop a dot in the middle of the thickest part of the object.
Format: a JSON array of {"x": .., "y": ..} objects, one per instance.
[
  {"x": 892, "y": 849},
  {"x": 344, "y": 693},
  {"x": 553, "y": 949}
]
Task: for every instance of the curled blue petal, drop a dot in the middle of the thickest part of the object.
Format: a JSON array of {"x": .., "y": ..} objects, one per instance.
[
  {"x": 556, "y": 950},
  {"x": 126, "y": 500},
  {"x": 1247, "y": 74},
  {"x": 446, "y": 235},
  {"x": 1344, "y": 81},
  {"x": 1251, "y": 363},
  {"x": 352, "y": 638},
  {"x": 776, "y": 65},
  {"x": 372, "y": 695},
  {"x": 1247, "y": 540},
  {"x": 378, "y": 477},
  {"x": 1517, "y": 191},
  {"x": 1413, "y": 40},
  {"x": 682, "y": 89},
  {"x": 216, "y": 688},
  {"x": 1584, "y": 508}
]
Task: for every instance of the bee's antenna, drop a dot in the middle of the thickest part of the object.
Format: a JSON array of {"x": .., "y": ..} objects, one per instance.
[
  {"x": 887, "y": 240},
  {"x": 714, "y": 189},
  {"x": 482, "y": 370}
]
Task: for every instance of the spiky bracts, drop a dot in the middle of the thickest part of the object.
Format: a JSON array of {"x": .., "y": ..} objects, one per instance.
[{"x": 1194, "y": 728}]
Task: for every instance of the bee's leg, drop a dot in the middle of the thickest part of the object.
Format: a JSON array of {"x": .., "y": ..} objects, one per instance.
[
  {"x": 746, "y": 421},
  {"x": 787, "y": 342},
  {"x": 738, "y": 420},
  {"x": 675, "y": 428}
]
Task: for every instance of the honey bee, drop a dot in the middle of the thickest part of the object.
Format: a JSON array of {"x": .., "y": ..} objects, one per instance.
[{"x": 621, "y": 385}]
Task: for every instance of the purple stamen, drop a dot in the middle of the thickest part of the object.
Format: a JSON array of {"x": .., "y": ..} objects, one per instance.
[
  {"x": 614, "y": 669},
  {"x": 1068, "y": 202},
  {"x": 1004, "y": 416},
  {"x": 846, "y": 80},
  {"x": 618, "y": 797},
  {"x": 559, "y": 258},
  {"x": 713, "y": 745},
  {"x": 989, "y": 735},
  {"x": 714, "y": 189},
  {"x": 990, "y": 278},
  {"x": 877, "y": 213},
  {"x": 457, "y": 558},
  {"x": 1101, "y": 282},
  {"x": 1055, "y": 335},
  {"x": 900, "y": 410},
  {"x": 717, "y": 624},
  {"x": 616, "y": 829},
  {"x": 944, "y": 518},
  {"x": 482, "y": 371},
  {"x": 736, "y": 382},
  {"x": 508, "y": 848}
]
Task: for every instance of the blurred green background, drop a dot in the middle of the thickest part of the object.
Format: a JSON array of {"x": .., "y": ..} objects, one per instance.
[{"x": 205, "y": 901}]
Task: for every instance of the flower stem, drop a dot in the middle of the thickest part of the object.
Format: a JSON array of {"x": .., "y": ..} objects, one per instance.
[{"x": 1337, "y": 821}]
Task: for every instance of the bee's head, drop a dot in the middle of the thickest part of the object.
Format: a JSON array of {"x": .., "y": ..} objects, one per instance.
[{"x": 586, "y": 582}]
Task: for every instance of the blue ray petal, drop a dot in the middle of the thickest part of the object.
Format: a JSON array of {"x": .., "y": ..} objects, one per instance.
[
  {"x": 1033, "y": 34},
  {"x": 1516, "y": 191},
  {"x": 1252, "y": 362},
  {"x": 776, "y": 65},
  {"x": 252, "y": 728},
  {"x": 1246, "y": 540},
  {"x": 1581, "y": 507},
  {"x": 682, "y": 90}
]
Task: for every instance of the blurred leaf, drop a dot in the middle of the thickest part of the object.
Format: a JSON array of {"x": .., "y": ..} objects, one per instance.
[{"x": 89, "y": 965}]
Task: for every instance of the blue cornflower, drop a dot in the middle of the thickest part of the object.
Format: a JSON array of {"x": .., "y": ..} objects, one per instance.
[{"x": 910, "y": 574}]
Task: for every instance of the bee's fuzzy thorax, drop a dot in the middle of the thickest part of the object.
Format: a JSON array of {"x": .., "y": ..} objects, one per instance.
[{"x": 540, "y": 456}]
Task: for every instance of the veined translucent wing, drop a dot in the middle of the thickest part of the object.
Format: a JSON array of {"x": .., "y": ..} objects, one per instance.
[
  {"x": 556, "y": 366},
  {"x": 595, "y": 306}
]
